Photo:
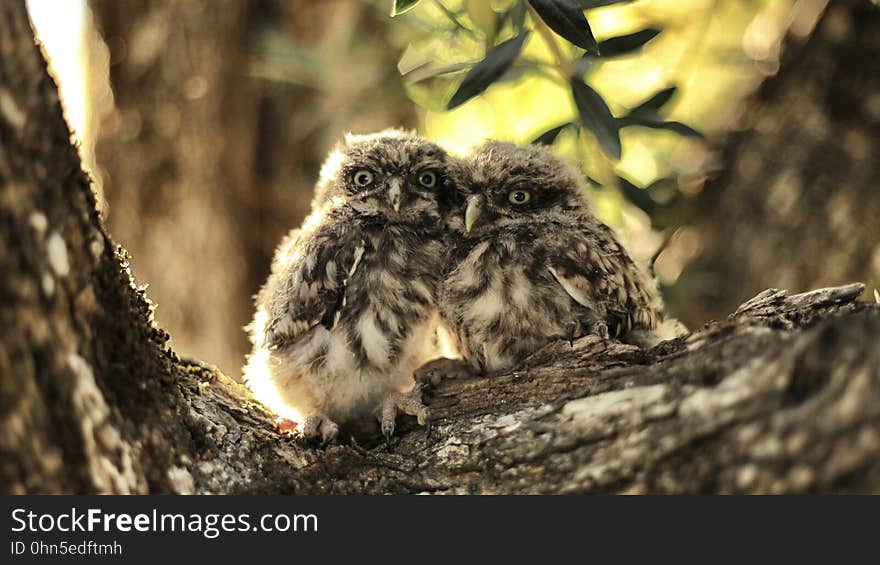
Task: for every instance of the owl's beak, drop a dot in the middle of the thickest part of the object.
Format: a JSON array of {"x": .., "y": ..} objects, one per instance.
[
  {"x": 474, "y": 207},
  {"x": 395, "y": 192}
]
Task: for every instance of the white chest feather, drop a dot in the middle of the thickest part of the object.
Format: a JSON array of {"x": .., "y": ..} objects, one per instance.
[{"x": 373, "y": 339}]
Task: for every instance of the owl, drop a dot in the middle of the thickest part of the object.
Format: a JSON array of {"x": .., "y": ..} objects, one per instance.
[
  {"x": 531, "y": 264},
  {"x": 349, "y": 309}
]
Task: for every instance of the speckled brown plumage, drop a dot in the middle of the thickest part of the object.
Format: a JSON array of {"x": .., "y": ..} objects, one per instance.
[
  {"x": 531, "y": 264},
  {"x": 349, "y": 308}
]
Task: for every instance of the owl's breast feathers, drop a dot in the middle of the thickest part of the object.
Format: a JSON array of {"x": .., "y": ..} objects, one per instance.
[
  {"x": 510, "y": 293},
  {"x": 369, "y": 280}
]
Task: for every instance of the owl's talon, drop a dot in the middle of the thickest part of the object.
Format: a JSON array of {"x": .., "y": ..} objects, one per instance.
[
  {"x": 576, "y": 329},
  {"x": 572, "y": 331},
  {"x": 319, "y": 429},
  {"x": 410, "y": 403},
  {"x": 424, "y": 419}
]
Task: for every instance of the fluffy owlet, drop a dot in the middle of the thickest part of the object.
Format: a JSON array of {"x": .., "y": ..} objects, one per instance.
[
  {"x": 531, "y": 263},
  {"x": 349, "y": 308}
]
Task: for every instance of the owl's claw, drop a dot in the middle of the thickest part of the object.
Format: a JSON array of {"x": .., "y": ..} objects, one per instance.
[
  {"x": 427, "y": 423},
  {"x": 410, "y": 403},
  {"x": 572, "y": 332},
  {"x": 575, "y": 330}
]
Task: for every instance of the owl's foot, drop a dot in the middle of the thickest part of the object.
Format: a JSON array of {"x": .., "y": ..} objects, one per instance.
[
  {"x": 579, "y": 329},
  {"x": 599, "y": 328},
  {"x": 410, "y": 403},
  {"x": 318, "y": 426},
  {"x": 431, "y": 373}
]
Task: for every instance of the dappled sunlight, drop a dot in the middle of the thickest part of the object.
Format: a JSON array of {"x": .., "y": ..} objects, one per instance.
[{"x": 707, "y": 48}]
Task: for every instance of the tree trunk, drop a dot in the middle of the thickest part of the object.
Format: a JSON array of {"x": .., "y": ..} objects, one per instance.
[
  {"x": 177, "y": 155},
  {"x": 213, "y": 147},
  {"x": 784, "y": 396},
  {"x": 796, "y": 204}
]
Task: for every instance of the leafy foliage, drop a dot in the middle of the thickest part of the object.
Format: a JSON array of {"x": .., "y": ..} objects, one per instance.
[
  {"x": 549, "y": 136},
  {"x": 596, "y": 117},
  {"x": 401, "y": 6},
  {"x": 589, "y": 4},
  {"x": 567, "y": 19},
  {"x": 652, "y": 105},
  {"x": 627, "y": 44},
  {"x": 488, "y": 70},
  {"x": 563, "y": 49}
]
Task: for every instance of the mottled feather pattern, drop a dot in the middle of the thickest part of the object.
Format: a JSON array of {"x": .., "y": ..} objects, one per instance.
[
  {"x": 501, "y": 245},
  {"x": 526, "y": 274},
  {"x": 349, "y": 309}
]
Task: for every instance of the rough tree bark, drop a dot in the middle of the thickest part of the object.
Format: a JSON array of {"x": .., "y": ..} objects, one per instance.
[
  {"x": 784, "y": 396},
  {"x": 800, "y": 177}
]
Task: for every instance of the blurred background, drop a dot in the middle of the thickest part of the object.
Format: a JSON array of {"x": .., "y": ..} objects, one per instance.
[{"x": 749, "y": 131}]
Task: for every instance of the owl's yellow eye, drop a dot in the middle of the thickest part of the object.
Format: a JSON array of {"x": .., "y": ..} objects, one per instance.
[
  {"x": 428, "y": 179},
  {"x": 519, "y": 196},
  {"x": 363, "y": 178}
]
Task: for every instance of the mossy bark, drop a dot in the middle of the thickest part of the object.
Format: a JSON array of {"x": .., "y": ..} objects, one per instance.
[{"x": 783, "y": 396}]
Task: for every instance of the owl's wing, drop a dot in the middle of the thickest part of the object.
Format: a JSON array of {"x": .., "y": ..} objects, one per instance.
[
  {"x": 597, "y": 273},
  {"x": 309, "y": 290}
]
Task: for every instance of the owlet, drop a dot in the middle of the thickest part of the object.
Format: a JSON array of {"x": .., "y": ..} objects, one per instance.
[
  {"x": 349, "y": 308},
  {"x": 531, "y": 264}
]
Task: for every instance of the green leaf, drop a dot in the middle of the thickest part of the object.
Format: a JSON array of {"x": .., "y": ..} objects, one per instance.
[
  {"x": 590, "y": 4},
  {"x": 549, "y": 136},
  {"x": 677, "y": 127},
  {"x": 626, "y": 44},
  {"x": 596, "y": 117},
  {"x": 652, "y": 105},
  {"x": 638, "y": 196},
  {"x": 401, "y": 6},
  {"x": 567, "y": 19},
  {"x": 487, "y": 71},
  {"x": 661, "y": 200}
]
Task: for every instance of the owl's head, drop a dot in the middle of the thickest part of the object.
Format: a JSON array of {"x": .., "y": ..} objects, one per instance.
[
  {"x": 504, "y": 185},
  {"x": 394, "y": 174}
]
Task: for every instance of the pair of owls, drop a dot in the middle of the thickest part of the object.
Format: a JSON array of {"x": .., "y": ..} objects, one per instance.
[{"x": 500, "y": 247}]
